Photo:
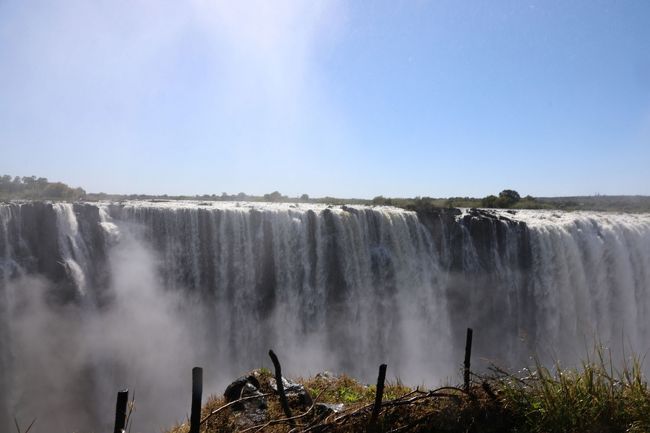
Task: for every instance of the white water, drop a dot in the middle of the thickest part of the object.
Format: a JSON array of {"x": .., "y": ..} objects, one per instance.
[
  {"x": 335, "y": 290},
  {"x": 71, "y": 244},
  {"x": 218, "y": 284},
  {"x": 591, "y": 278}
]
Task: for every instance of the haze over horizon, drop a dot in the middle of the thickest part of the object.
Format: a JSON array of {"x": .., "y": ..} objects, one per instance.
[{"x": 328, "y": 98}]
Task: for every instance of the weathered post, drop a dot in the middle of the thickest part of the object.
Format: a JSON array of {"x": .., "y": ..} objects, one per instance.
[
  {"x": 197, "y": 391},
  {"x": 120, "y": 410},
  {"x": 379, "y": 395},
  {"x": 278, "y": 380},
  {"x": 468, "y": 354}
]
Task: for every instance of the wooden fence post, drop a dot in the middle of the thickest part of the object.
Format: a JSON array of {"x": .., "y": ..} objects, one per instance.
[
  {"x": 379, "y": 395},
  {"x": 120, "y": 410},
  {"x": 278, "y": 380},
  {"x": 197, "y": 391},
  {"x": 468, "y": 354}
]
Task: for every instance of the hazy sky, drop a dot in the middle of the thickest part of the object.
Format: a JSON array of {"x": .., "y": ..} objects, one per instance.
[{"x": 343, "y": 98}]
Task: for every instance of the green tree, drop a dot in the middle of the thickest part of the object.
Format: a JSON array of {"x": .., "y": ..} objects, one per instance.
[
  {"x": 55, "y": 190},
  {"x": 510, "y": 195},
  {"x": 382, "y": 201},
  {"x": 274, "y": 196},
  {"x": 490, "y": 201}
]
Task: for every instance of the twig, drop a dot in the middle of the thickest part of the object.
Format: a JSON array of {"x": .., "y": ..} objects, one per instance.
[
  {"x": 28, "y": 428},
  {"x": 227, "y": 405},
  {"x": 504, "y": 373},
  {"x": 281, "y": 420},
  {"x": 400, "y": 401},
  {"x": 131, "y": 409}
]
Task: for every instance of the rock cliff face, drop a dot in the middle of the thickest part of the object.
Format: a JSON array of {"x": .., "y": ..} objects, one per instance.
[
  {"x": 487, "y": 260},
  {"x": 338, "y": 287}
]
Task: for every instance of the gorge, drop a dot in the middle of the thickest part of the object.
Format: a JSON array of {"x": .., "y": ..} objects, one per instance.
[{"x": 98, "y": 296}]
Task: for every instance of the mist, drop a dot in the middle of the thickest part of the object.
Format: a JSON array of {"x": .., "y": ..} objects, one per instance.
[{"x": 70, "y": 360}]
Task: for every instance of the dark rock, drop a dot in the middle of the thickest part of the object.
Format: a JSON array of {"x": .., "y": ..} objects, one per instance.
[
  {"x": 296, "y": 393},
  {"x": 249, "y": 412},
  {"x": 239, "y": 386}
]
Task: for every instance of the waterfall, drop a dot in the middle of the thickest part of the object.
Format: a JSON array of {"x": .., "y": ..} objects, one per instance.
[
  {"x": 367, "y": 280},
  {"x": 140, "y": 291},
  {"x": 590, "y": 277},
  {"x": 71, "y": 245}
]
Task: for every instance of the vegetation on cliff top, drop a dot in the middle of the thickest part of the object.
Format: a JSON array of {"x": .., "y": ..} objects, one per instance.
[
  {"x": 595, "y": 398},
  {"x": 33, "y": 188}
]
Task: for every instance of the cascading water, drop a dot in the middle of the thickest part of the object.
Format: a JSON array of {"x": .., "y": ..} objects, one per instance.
[
  {"x": 366, "y": 280},
  {"x": 134, "y": 294}
]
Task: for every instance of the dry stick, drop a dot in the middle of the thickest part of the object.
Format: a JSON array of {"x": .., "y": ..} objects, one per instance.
[
  {"x": 232, "y": 403},
  {"x": 395, "y": 402},
  {"x": 260, "y": 427},
  {"x": 436, "y": 393},
  {"x": 422, "y": 397},
  {"x": 278, "y": 381},
  {"x": 120, "y": 410},
  {"x": 342, "y": 417},
  {"x": 468, "y": 354},
  {"x": 197, "y": 391},
  {"x": 28, "y": 428},
  {"x": 325, "y": 423},
  {"x": 431, "y": 394},
  {"x": 372, "y": 425},
  {"x": 131, "y": 408}
]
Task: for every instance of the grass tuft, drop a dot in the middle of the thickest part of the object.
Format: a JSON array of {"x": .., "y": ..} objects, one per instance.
[{"x": 594, "y": 398}]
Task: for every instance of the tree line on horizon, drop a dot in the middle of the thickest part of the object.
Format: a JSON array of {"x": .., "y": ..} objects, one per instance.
[
  {"x": 40, "y": 188},
  {"x": 507, "y": 199},
  {"x": 33, "y": 188}
]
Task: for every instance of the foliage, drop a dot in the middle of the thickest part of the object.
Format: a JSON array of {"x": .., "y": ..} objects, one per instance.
[
  {"x": 274, "y": 196},
  {"x": 380, "y": 200},
  {"x": 509, "y": 196},
  {"x": 595, "y": 398},
  {"x": 506, "y": 199},
  {"x": 33, "y": 188}
]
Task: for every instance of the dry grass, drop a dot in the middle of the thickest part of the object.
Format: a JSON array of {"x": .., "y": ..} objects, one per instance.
[
  {"x": 593, "y": 399},
  {"x": 403, "y": 409}
]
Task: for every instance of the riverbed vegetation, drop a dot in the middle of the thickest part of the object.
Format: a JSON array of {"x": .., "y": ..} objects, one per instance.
[{"x": 594, "y": 398}]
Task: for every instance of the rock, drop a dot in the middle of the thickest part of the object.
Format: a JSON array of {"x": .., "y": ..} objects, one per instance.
[
  {"x": 296, "y": 393},
  {"x": 325, "y": 409},
  {"x": 250, "y": 412},
  {"x": 327, "y": 376},
  {"x": 250, "y": 417},
  {"x": 241, "y": 385}
]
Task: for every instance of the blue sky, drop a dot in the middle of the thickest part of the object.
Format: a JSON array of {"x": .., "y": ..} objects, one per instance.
[{"x": 349, "y": 99}]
